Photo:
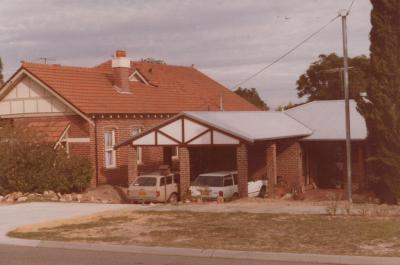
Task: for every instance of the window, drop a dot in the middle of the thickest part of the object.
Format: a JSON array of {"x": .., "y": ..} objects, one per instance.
[
  {"x": 162, "y": 181},
  {"x": 169, "y": 180},
  {"x": 139, "y": 154},
  {"x": 175, "y": 152},
  {"x": 109, "y": 142},
  {"x": 235, "y": 178},
  {"x": 146, "y": 182},
  {"x": 228, "y": 181}
]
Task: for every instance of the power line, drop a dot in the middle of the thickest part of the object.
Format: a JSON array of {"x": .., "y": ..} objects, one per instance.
[
  {"x": 350, "y": 6},
  {"x": 286, "y": 53}
]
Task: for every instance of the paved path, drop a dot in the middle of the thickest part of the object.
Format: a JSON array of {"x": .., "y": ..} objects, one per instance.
[
  {"x": 43, "y": 256},
  {"x": 12, "y": 216}
]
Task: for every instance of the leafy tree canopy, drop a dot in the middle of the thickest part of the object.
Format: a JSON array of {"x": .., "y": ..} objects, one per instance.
[
  {"x": 288, "y": 106},
  {"x": 252, "y": 96},
  {"x": 323, "y": 79}
]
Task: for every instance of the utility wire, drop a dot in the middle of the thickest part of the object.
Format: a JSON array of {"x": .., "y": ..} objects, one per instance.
[
  {"x": 350, "y": 6},
  {"x": 286, "y": 53}
]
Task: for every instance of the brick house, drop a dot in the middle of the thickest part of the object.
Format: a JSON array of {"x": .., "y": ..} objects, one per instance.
[
  {"x": 300, "y": 147},
  {"x": 88, "y": 110}
]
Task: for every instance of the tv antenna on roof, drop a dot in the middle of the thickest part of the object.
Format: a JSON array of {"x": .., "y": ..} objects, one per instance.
[{"x": 46, "y": 59}]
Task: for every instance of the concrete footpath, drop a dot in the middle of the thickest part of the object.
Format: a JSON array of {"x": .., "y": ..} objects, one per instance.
[{"x": 210, "y": 253}]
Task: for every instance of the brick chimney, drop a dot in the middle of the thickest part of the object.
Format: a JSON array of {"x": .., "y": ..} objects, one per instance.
[{"x": 120, "y": 69}]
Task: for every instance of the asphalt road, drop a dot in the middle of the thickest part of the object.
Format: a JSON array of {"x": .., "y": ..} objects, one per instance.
[{"x": 16, "y": 255}]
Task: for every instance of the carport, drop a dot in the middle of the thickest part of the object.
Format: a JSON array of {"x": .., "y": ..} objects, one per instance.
[{"x": 255, "y": 143}]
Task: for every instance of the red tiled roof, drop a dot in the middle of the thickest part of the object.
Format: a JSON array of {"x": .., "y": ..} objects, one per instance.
[
  {"x": 51, "y": 131},
  {"x": 171, "y": 89}
]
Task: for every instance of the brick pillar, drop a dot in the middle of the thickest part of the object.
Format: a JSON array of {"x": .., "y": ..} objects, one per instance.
[
  {"x": 93, "y": 155},
  {"x": 184, "y": 170},
  {"x": 132, "y": 164},
  {"x": 271, "y": 168},
  {"x": 243, "y": 169}
]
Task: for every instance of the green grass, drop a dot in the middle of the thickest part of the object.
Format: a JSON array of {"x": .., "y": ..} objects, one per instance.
[{"x": 349, "y": 235}]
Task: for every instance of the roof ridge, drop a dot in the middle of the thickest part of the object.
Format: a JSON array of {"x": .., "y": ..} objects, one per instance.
[
  {"x": 24, "y": 64},
  {"x": 147, "y": 63}
]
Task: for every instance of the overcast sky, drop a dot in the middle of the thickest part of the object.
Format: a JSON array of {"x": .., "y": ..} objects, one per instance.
[{"x": 227, "y": 39}]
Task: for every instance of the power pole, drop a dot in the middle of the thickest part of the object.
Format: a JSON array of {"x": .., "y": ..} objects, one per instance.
[{"x": 344, "y": 14}]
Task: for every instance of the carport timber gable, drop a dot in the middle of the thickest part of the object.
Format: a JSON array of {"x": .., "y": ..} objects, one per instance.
[
  {"x": 201, "y": 129},
  {"x": 184, "y": 130}
]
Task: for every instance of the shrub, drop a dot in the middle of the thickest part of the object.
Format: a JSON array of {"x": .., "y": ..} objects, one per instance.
[
  {"x": 28, "y": 164},
  {"x": 333, "y": 203}
]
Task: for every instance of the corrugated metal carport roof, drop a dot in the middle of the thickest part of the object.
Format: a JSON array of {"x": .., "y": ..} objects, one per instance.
[
  {"x": 326, "y": 119},
  {"x": 253, "y": 125}
]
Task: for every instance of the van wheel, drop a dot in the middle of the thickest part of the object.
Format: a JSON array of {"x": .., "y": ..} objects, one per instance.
[
  {"x": 263, "y": 192},
  {"x": 173, "y": 198}
]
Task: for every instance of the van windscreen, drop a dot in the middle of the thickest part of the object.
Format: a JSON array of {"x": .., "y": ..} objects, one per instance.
[
  {"x": 209, "y": 181},
  {"x": 146, "y": 182}
]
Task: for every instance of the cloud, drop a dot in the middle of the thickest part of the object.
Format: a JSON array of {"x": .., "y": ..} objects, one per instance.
[{"x": 228, "y": 39}]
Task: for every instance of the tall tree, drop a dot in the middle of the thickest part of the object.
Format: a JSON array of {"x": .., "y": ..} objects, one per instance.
[
  {"x": 381, "y": 107},
  {"x": 252, "y": 96},
  {"x": 1, "y": 72},
  {"x": 324, "y": 78}
]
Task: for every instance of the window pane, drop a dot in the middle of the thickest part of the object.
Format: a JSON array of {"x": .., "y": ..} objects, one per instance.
[
  {"x": 139, "y": 154},
  {"x": 169, "y": 180},
  {"x": 235, "y": 178},
  {"x": 109, "y": 138},
  {"x": 146, "y": 182},
  {"x": 109, "y": 158},
  {"x": 162, "y": 182},
  {"x": 228, "y": 181}
]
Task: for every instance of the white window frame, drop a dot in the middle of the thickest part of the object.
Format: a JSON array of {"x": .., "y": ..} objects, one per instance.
[
  {"x": 139, "y": 153},
  {"x": 110, "y": 149}
]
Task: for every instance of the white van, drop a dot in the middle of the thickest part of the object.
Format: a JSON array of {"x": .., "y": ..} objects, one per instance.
[
  {"x": 155, "y": 188},
  {"x": 209, "y": 185}
]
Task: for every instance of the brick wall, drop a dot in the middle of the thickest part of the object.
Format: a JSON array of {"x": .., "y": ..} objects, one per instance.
[
  {"x": 289, "y": 161},
  {"x": 243, "y": 169},
  {"x": 152, "y": 156},
  {"x": 184, "y": 170},
  {"x": 271, "y": 161}
]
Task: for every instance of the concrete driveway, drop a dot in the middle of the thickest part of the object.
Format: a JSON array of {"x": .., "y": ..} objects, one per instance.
[{"x": 12, "y": 216}]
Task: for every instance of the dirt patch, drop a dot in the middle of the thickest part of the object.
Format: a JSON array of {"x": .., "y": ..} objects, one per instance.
[{"x": 343, "y": 235}]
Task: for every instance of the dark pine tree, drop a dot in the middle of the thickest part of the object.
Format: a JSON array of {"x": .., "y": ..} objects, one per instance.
[{"x": 381, "y": 107}]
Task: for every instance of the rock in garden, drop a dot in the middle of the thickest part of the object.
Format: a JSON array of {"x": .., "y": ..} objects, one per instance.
[
  {"x": 287, "y": 196},
  {"x": 68, "y": 197},
  {"x": 22, "y": 199}
]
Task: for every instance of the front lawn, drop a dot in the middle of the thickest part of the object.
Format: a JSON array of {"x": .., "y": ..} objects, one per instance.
[{"x": 348, "y": 235}]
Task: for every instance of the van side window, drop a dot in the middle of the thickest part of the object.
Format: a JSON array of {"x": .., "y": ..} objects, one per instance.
[
  {"x": 228, "y": 181},
  {"x": 169, "y": 180},
  {"x": 176, "y": 178},
  {"x": 235, "y": 178},
  {"x": 162, "y": 181}
]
